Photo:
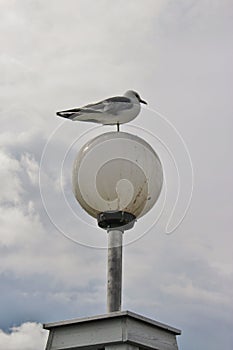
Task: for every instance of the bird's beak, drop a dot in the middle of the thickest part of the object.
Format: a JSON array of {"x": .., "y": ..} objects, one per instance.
[{"x": 142, "y": 101}]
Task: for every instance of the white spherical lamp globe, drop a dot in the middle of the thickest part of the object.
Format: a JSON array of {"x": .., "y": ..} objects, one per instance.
[{"x": 117, "y": 178}]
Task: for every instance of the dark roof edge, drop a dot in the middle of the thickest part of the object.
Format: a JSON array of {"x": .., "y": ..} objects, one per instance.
[{"x": 109, "y": 316}]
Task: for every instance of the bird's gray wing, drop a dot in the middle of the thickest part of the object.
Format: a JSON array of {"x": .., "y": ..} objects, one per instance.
[
  {"x": 75, "y": 112},
  {"x": 112, "y": 105}
]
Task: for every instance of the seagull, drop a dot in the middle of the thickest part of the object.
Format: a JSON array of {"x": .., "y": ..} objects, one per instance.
[{"x": 112, "y": 111}]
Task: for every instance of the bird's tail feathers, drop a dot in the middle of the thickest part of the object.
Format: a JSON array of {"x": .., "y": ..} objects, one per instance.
[{"x": 68, "y": 113}]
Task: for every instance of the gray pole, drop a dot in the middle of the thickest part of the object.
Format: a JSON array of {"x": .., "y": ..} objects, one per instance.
[{"x": 114, "y": 270}]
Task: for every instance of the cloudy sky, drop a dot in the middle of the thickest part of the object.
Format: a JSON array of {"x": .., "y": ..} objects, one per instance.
[{"x": 60, "y": 54}]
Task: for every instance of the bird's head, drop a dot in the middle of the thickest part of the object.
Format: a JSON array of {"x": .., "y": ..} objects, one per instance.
[{"x": 133, "y": 94}]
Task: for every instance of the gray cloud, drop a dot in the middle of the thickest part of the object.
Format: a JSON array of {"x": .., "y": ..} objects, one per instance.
[{"x": 28, "y": 336}]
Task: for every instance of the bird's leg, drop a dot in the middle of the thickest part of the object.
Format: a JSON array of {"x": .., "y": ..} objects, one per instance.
[{"x": 118, "y": 127}]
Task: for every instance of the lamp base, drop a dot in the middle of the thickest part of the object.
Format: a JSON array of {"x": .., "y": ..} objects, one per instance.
[{"x": 118, "y": 220}]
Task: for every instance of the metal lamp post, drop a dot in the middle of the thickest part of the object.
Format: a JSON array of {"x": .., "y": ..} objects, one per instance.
[{"x": 117, "y": 178}]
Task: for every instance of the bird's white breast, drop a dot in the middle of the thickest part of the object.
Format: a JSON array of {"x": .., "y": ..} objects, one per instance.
[{"x": 122, "y": 117}]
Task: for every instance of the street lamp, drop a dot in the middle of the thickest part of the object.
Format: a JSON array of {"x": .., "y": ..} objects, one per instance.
[{"x": 117, "y": 178}]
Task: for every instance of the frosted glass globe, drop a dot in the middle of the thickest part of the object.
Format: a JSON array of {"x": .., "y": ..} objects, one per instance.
[{"x": 117, "y": 171}]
